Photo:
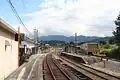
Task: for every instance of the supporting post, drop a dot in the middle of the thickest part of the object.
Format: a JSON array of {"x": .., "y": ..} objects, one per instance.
[{"x": 18, "y": 46}]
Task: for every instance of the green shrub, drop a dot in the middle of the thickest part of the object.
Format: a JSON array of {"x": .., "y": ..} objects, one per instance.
[
  {"x": 107, "y": 46},
  {"x": 115, "y": 53}
]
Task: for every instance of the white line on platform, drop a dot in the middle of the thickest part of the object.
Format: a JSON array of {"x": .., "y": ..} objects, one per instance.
[
  {"x": 21, "y": 74},
  {"x": 32, "y": 69}
]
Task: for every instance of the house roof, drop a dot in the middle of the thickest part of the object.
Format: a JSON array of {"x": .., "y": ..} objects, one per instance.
[{"x": 7, "y": 27}]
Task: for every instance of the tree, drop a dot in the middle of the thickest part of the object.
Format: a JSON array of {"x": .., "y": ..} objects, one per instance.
[
  {"x": 111, "y": 41},
  {"x": 102, "y": 42},
  {"x": 117, "y": 31},
  {"x": 115, "y": 53}
]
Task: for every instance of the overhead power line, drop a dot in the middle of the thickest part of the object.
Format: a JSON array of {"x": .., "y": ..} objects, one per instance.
[{"x": 17, "y": 15}]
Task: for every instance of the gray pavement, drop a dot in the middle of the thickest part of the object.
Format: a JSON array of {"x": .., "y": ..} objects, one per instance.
[
  {"x": 111, "y": 65},
  {"x": 29, "y": 71}
]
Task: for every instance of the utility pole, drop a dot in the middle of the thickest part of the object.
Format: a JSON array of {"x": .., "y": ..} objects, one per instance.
[
  {"x": 76, "y": 43},
  {"x": 18, "y": 46},
  {"x": 36, "y": 40},
  {"x": 75, "y": 37}
]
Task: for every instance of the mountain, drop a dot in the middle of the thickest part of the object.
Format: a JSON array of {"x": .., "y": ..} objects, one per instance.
[
  {"x": 102, "y": 39},
  {"x": 80, "y": 38},
  {"x": 53, "y": 37}
]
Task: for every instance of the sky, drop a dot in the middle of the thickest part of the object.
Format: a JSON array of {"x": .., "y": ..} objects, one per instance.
[{"x": 64, "y": 17}]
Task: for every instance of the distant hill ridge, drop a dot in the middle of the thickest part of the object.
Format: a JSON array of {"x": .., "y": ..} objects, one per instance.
[{"x": 80, "y": 38}]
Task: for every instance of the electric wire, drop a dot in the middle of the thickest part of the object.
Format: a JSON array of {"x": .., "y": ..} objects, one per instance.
[{"x": 17, "y": 15}]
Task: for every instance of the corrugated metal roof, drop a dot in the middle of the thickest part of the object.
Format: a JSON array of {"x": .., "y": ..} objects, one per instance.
[{"x": 7, "y": 26}]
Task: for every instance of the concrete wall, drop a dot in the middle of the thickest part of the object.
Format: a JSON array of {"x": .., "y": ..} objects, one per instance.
[
  {"x": 91, "y": 47},
  {"x": 8, "y": 56},
  {"x": 28, "y": 44},
  {"x": 84, "y": 46}
]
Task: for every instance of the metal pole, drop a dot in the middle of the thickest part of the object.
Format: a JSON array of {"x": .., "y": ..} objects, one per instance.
[
  {"x": 76, "y": 43},
  {"x": 34, "y": 41},
  {"x": 37, "y": 40},
  {"x": 18, "y": 46}
]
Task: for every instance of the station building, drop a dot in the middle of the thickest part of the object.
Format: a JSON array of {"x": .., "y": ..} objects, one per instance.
[{"x": 8, "y": 50}]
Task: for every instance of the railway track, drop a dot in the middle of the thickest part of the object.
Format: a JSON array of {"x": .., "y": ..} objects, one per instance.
[
  {"x": 72, "y": 72},
  {"x": 51, "y": 70},
  {"x": 91, "y": 72}
]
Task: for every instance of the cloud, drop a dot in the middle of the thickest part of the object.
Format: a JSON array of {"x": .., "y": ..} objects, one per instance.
[
  {"x": 50, "y": 31},
  {"x": 86, "y": 17}
]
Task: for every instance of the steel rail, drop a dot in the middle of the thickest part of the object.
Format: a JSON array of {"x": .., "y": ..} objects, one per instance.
[
  {"x": 52, "y": 74},
  {"x": 83, "y": 67},
  {"x": 61, "y": 70},
  {"x": 56, "y": 65}
]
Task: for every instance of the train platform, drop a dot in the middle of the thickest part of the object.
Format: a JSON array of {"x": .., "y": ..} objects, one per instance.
[
  {"x": 109, "y": 66},
  {"x": 87, "y": 59},
  {"x": 31, "y": 70}
]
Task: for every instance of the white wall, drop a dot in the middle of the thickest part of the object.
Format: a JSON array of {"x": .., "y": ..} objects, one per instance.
[
  {"x": 84, "y": 46},
  {"x": 28, "y": 44},
  {"x": 8, "y": 57}
]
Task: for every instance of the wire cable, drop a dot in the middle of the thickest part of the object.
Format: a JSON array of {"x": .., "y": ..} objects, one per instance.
[{"x": 17, "y": 15}]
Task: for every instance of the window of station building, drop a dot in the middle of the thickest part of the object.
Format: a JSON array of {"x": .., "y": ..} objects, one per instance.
[{"x": 7, "y": 43}]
